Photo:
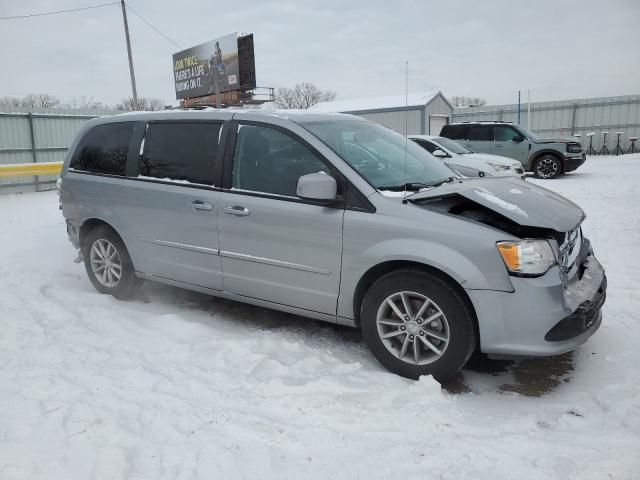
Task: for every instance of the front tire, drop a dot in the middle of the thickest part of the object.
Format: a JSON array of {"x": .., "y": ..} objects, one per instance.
[
  {"x": 417, "y": 324},
  {"x": 108, "y": 263},
  {"x": 547, "y": 166}
]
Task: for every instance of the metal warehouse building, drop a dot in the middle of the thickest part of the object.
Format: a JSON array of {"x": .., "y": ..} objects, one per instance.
[{"x": 424, "y": 113}]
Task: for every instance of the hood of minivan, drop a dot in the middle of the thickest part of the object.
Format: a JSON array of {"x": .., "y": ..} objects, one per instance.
[{"x": 522, "y": 202}]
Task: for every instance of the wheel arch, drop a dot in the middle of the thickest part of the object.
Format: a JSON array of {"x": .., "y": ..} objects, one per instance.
[
  {"x": 93, "y": 223},
  {"x": 383, "y": 268}
]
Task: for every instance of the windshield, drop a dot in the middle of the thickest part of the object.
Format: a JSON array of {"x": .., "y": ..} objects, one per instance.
[
  {"x": 528, "y": 133},
  {"x": 451, "y": 145},
  {"x": 378, "y": 153}
]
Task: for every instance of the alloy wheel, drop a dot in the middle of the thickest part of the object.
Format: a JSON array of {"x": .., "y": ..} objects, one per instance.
[
  {"x": 413, "y": 328},
  {"x": 547, "y": 168},
  {"x": 105, "y": 263}
]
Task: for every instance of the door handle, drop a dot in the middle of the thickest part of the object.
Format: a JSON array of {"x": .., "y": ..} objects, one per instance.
[
  {"x": 237, "y": 211},
  {"x": 200, "y": 205},
  {"x": 498, "y": 145}
]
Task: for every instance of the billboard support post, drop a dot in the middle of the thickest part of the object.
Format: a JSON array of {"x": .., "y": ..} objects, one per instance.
[
  {"x": 131, "y": 72},
  {"x": 217, "y": 88}
]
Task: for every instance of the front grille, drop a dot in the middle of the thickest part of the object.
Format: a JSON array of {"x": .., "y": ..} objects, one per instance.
[{"x": 569, "y": 251}]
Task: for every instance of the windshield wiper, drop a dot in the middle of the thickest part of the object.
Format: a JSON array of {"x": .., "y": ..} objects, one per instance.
[
  {"x": 411, "y": 186},
  {"x": 415, "y": 186},
  {"x": 446, "y": 180}
]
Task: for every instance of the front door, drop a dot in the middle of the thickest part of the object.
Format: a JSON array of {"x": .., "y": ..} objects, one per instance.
[
  {"x": 172, "y": 209},
  {"x": 505, "y": 145},
  {"x": 274, "y": 246}
]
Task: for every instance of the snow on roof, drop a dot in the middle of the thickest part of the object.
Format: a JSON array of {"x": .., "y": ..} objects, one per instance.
[{"x": 375, "y": 103}]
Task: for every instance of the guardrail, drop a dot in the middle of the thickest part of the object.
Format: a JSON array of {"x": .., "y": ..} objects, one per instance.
[{"x": 30, "y": 169}]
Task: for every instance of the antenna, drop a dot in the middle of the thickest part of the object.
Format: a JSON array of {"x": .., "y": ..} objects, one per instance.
[{"x": 406, "y": 126}]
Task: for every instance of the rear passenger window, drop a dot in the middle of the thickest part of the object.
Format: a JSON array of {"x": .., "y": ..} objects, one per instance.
[
  {"x": 104, "y": 149},
  {"x": 180, "y": 151},
  {"x": 480, "y": 132}
]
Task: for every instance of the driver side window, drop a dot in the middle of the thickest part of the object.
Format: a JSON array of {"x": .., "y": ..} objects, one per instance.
[
  {"x": 269, "y": 161},
  {"x": 504, "y": 134}
]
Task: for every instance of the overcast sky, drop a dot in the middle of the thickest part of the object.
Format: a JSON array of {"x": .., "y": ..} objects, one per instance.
[{"x": 491, "y": 49}]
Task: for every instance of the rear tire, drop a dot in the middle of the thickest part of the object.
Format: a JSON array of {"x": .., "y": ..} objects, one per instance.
[
  {"x": 436, "y": 339},
  {"x": 547, "y": 166},
  {"x": 108, "y": 263}
]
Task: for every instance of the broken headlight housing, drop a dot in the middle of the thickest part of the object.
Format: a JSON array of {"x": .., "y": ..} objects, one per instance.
[
  {"x": 527, "y": 258},
  {"x": 499, "y": 168}
]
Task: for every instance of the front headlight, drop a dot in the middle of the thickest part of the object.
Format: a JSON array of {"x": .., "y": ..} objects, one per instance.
[
  {"x": 499, "y": 168},
  {"x": 527, "y": 257},
  {"x": 574, "y": 148}
]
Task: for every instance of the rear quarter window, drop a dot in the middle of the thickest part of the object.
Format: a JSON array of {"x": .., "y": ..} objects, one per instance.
[
  {"x": 455, "y": 132},
  {"x": 103, "y": 149}
]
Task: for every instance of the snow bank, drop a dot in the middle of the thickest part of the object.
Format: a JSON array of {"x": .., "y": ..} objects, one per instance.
[{"x": 175, "y": 384}]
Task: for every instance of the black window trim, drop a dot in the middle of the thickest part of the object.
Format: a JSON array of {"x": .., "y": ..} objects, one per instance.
[{"x": 362, "y": 204}]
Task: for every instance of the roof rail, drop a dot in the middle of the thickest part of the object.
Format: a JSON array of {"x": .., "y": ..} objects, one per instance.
[{"x": 482, "y": 121}]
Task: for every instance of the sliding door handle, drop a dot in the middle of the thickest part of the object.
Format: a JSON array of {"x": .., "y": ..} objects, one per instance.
[
  {"x": 200, "y": 205},
  {"x": 237, "y": 211}
]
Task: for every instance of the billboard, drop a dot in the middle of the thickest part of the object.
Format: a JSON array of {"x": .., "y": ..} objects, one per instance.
[{"x": 198, "y": 70}]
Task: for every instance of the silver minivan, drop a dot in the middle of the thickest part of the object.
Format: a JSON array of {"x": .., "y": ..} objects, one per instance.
[{"x": 334, "y": 218}]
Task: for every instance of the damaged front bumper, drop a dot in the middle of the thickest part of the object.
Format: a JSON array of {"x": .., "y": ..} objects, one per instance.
[{"x": 542, "y": 316}]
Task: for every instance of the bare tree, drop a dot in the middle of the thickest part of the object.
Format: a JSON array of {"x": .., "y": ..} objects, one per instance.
[
  {"x": 84, "y": 103},
  {"x": 6, "y": 102},
  {"x": 302, "y": 96},
  {"x": 461, "y": 101},
  {"x": 36, "y": 100},
  {"x": 30, "y": 100},
  {"x": 47, "y": 101},
  {"x": 144, "y": 103}
]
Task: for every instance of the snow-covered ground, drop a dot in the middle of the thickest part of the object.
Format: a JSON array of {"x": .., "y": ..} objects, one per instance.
[{"x": 179, "y": 385}]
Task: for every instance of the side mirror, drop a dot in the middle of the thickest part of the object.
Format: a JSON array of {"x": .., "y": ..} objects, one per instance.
[
  {"x": 317, "y": 186},
  {"x": 518, "y": 139},
  {"x": 439, "y": 153}
]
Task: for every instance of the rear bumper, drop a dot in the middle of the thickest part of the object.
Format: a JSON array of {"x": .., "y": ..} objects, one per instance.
[
  {"x": 73, "y": 231},
  {"x": 572, "y": 163},
  {"x": 541, "y": 316}
]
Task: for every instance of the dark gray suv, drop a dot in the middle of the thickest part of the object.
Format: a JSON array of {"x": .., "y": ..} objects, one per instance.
[{"x": 545, "y": 157}]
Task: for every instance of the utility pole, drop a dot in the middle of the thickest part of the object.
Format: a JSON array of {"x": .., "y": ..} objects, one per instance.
[
  {"x": 529, "y": 109},
  {"x": 131, "y": 72},
  {"x": 518, "y": 105}
]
